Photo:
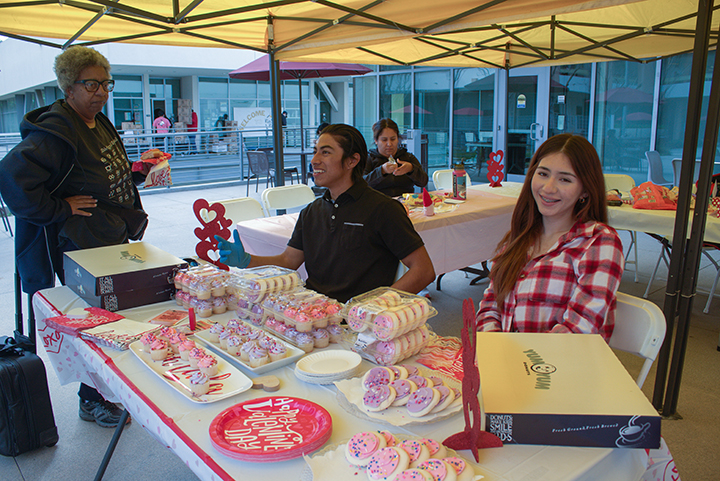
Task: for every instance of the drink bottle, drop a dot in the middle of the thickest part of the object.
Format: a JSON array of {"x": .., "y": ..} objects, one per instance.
[{"x": 459, "y": 181}]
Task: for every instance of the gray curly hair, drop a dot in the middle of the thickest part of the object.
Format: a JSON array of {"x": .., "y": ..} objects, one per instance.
[{"x": 74, "y": 60}]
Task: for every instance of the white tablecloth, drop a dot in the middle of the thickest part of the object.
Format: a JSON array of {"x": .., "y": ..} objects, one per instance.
[
  {"x": 465, "y": 236},
  {"x": 182, "y": 425}
]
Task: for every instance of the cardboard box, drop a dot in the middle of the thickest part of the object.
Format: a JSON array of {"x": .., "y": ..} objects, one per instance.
[
  {"x": 127, "y": 125},
  {"x": 125, "y": 267},
  {"x": 118, "y": 301},
  {"x": 184, "y": 103},
  {"x": 563, "y": 390}
]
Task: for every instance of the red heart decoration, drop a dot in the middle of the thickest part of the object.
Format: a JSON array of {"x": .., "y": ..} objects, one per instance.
[
  {"x": 213, "y": 221},
  {"x": 495, "y": 168}
]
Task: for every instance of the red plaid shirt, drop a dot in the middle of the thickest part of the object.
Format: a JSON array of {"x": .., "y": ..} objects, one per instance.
[{"x": 571, "y": 288}]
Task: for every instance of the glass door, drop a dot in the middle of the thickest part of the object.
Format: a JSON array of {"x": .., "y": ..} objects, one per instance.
[{"x": 527, "y": 114}]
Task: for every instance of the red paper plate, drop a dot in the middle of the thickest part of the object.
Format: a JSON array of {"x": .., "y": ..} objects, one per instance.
[{"x": 269, "y": 429}]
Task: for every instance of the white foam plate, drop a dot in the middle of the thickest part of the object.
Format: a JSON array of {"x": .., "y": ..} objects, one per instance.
[
  {"x": 176, "y": 372},
  {"x": 328, "y": 363}
]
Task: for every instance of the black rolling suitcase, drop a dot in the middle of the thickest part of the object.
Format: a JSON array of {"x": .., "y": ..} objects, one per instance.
[{"x": 26, "y": 416}]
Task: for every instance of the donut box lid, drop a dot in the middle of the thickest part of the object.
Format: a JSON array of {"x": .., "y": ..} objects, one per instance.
[{"x": 387, "y": 313}]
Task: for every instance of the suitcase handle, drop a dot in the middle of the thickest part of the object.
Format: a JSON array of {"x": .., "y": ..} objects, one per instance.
[{"x": 14, "y": 346}]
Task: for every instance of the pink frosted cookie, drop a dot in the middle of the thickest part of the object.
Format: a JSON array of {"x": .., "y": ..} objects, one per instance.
[
  {"x": 387, "y": 463},
  {"x": 403, "y": 389},
  {"x": 362, "y": 446},
  {"x": 400, "y": 372},
  {"x": 462, "y": 469},
  {"x": 356, "y": 318},
  {"x": 377, "y": 376},
  {"x": 422, "y": 401},
  {"x": 412, "y": 370},
  {"x": 386, "y": 326},
  {"x": 416, "y": 450},
  {"x": 390, "y": 439},
  {"x": 436, "y": 449},
  {"x": 378, "y": 398},
  {"x": 414, "y": 475},
  {"x": 438, "y": 470},
  {"x": 420, "y": 381},
  {"x": 436, "y": 381},
  {"x": 447, "y": 396}
]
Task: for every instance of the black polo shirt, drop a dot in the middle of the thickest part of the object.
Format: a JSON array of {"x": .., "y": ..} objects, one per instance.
[{"x": 352, "y": 245}]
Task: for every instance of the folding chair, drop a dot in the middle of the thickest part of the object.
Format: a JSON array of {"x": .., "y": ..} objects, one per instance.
[
  {"x": 287, "y": 197},
  {"x": 242, "y": 208},
  {"x": 639, "y": 329}
]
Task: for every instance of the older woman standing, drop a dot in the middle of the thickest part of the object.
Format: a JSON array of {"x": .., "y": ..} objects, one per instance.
[
  {"x": 381, "y": 173},
  {"x": 70, "y": 186}
]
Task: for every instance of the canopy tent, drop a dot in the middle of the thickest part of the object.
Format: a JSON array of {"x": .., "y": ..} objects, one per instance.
[{"x": 463, "y": 33}]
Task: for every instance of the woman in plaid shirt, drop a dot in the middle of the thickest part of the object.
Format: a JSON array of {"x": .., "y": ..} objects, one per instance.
[{"x": 559, "y": 266}]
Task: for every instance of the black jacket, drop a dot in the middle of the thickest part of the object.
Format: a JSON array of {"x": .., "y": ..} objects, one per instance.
[
  {"x": 33, "y": 185},
  {"x": 392, "y": 185}
]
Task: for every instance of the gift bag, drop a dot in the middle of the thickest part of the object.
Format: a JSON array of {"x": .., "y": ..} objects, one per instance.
[{"x": 652, "y": 196}]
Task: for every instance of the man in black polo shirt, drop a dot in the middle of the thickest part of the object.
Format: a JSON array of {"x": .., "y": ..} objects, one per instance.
[{"x": 352, "y": 237}]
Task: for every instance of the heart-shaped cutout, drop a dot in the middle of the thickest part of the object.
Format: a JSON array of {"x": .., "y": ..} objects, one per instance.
[
  {"x": 213, "y": 255},
  {"x": 207, "y": 215}
]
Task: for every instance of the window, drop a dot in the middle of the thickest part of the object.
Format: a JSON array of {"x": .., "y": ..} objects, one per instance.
[{"x": 127, "y": 99}]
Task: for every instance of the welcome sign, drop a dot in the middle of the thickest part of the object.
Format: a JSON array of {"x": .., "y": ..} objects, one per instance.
[{"x": 562, "y": 389}]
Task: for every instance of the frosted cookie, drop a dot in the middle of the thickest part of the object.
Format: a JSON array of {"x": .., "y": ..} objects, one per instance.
[
  {"x": 423, "y": 401},
  {"x": 436, "y": 449},
  {"x": 463, "y": 470},
  {"x": 412, "y": 370},
  {"x": 447, "y": 396},
  {"x": 416, "y": 450},
  {"x": 414, "y": 475},
  {"x": 386, "y": 326},
  {"x": 377, "y": 376},
  {"x": 403, "y": 390},
  {"x": 436, "y": 381},
  {"x": 399, "y": 371},
  {"x": 387, "y": 463},
  {"x": 356, "y": 318},
  {"x": 439, "y": 470},
  {"x": 362, "y": 446},
  {"x": 420, "y": 381},
  {"x": 390, "y": 439},
  {"x": 378, "y": 398}
]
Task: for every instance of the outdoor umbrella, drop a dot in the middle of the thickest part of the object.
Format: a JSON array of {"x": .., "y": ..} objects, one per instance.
[
  {"x": 259, "y": 69},
  {"x": 407, "y": 108}
]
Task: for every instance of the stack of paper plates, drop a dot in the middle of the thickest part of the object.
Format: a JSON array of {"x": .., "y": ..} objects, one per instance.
[{"x": 326, "y": 367}]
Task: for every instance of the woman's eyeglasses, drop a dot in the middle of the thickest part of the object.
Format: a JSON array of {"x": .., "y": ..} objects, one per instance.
[{"x": 92, "y": 85}]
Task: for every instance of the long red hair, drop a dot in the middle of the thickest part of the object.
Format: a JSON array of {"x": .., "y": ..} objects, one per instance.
[{"x": 526, "y": 225}]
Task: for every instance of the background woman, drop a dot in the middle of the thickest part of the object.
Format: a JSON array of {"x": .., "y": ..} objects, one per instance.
[
  {"x": 560, "y": 265},
  {"x": 392, "y": 178},
  {"x": 70, "y": 186}
]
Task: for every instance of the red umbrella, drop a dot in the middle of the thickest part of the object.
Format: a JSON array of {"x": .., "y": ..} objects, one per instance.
[
  {"x": 406, "y": 110},
  {"x": 468, "y": 111},
  {"x": 259, "y": 69}
]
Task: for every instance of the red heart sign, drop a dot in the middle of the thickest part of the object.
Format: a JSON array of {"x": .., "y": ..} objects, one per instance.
[
  {"x": 213, "y": 221},
  {"x": 495, "y": 168}
]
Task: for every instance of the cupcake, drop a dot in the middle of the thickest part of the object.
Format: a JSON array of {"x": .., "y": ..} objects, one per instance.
[
  {"x": 258, "y": 357},
  {"x": 194, "y": 356},
  {"x": 223, "y": 337},
  {"x": 199, "y": 383},
  {"x": 175, "y": 341},
  {"x": 232, "y": 301},
  {"x": 204, "y": 307},
  {"x": 233, "y": 345},
  {"x": 208, "y": 365},
  {"x": 277, "y": 351},
  {"x": 213, "y": 334},
  {"x": 158, "y": 350},
  {"x": 281, "y": 329},
  {"x": 219, "y": 305},
  {"x": 201, "y": 286},
  {"x": 322, "y": 338},
  {"x": 184, "y": 349},
  {"x": 233, "y": 324},
  {"x": 217, "y": 286},
  {"x": 303, "y": 323},
  {"x": 335, "y": 332},
  {"x": 146, "y": 341},
  {"x": 165, "y": 332},
  {"x": 305, "y": 341},
  {"x": 246, "y": 348}
]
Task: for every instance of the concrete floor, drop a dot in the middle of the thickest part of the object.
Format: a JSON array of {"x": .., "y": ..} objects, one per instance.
[{"x": 692, "y": 440}]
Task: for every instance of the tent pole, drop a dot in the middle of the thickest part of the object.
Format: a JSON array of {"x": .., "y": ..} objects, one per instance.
[
  {"x": 678, "y": 259},
  {"x": 277, "y": 120},
  {"x": 302, "y": 138},
  {"x": 695, "y": 244}
]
